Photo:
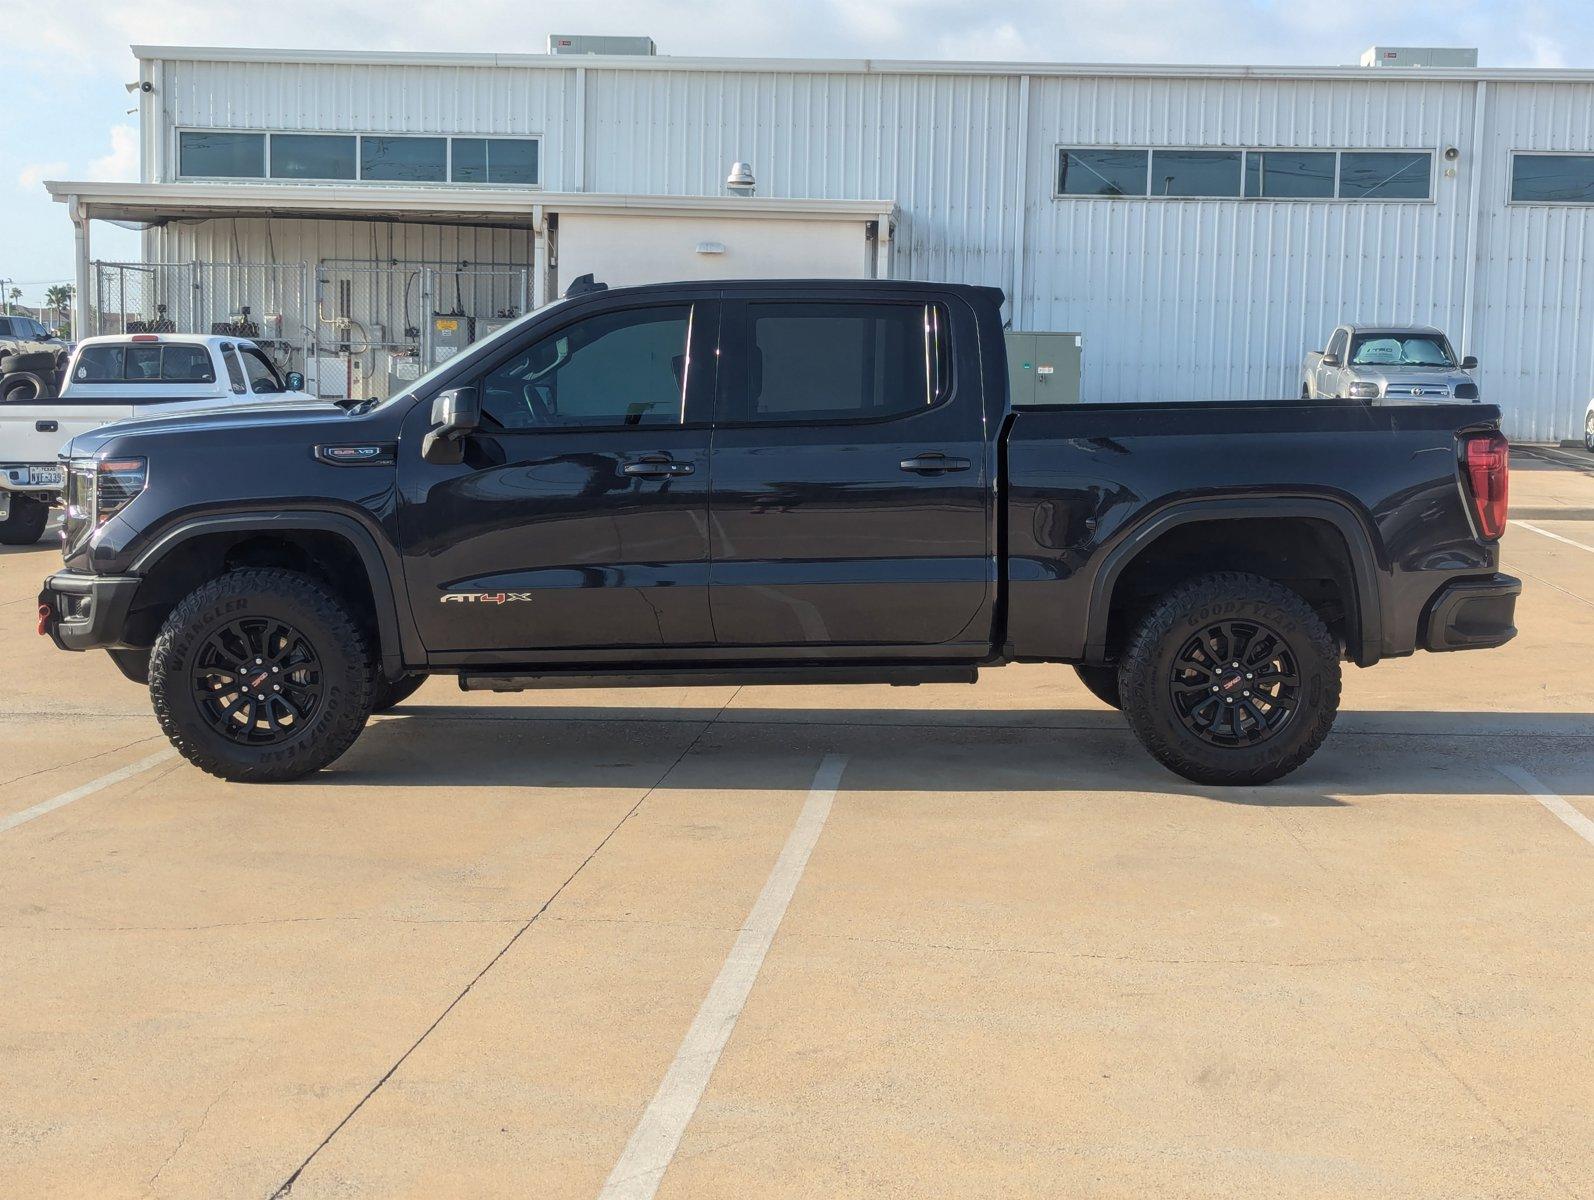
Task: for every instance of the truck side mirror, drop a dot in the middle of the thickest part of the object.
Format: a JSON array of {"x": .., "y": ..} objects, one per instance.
[
  {"x": 1469, "y": 363},
  {"x": 455, "y": 415},
  {"x": 1331, "y": 360},
  {"x": 295, "y": 381}
]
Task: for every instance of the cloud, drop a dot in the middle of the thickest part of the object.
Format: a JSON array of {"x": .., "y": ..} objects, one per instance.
[
  {"x": 121, "y": 164},
  {"x": 34, "y": 174}
]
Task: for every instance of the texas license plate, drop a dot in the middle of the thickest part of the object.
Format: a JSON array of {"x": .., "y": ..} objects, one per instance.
[{"x": 48, "y": 476}]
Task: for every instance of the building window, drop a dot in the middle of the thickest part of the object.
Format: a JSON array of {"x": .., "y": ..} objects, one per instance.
[
  {"x": 495, "y": 160},
  {"x": 1188, "y": 173},
  {"x": 1384, "y": 175},
  {"x": 1101, "y": 172},
  {"x": 1289, "y": 174},
  {"x": 379, "y": 158},
  {"x": 1195, "y": 173},
  {"x": 312, "y": 156},
  {"x": 1552, "y": 178},
  {"x": 222, "y": 155},
  {"x": 404, "y": 159}
]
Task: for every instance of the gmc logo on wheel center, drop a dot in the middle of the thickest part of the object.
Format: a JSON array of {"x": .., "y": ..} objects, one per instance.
[{"x": 484, "y": 597}]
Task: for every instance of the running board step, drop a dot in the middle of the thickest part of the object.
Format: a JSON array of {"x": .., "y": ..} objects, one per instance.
[{"x": 757, "y": 676}]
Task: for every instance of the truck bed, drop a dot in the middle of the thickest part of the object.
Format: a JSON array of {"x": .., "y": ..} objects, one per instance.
[{"x": 1086, "y": 484}]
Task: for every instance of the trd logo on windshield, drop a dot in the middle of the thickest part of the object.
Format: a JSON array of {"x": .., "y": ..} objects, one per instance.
[{"x": 484, "y": 597}]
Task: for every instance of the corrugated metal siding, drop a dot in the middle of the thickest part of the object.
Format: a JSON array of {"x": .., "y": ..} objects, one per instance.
[
  {"x": 1535, "y": 301},
  {"x": 943, "y": 147},
  {"x": 1185, "y": 299},
  {"x": 1217, "y": 299}
]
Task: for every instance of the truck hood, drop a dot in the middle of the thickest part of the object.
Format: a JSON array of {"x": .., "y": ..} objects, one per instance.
[{"x": 239, "y": 419}]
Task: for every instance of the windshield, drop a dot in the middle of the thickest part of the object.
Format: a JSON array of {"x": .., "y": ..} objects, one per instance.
[
  {"x": 492, "y": 339},
  {"x": 1392, "y": 350}
]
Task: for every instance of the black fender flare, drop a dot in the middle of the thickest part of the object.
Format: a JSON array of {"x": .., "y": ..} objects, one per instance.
[
  {"x": 1359, "y": 541},
  {"x": 400, "y": 645}
]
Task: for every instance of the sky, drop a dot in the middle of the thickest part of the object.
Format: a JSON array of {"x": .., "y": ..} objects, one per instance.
[{"x": 65, "y": 115}]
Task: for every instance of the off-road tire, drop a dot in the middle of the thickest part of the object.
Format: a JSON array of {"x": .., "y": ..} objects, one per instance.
[
  {"x": 385, "y": 695},
  {"x": 309, "y": 606},
  {"x": 20, "y": 387},
  {"x": 1146, "y": 667},
  {"x": 1101, "y": 682},
  {"x": 40, "y": 362},
  {"x": 25, "y": 525}
]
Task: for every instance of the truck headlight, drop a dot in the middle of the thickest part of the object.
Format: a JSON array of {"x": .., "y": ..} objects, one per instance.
[
  {"x": 114, "y": 484},
  {"x": 1364, "y": 391}
]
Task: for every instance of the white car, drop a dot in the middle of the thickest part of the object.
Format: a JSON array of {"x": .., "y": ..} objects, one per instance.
[
  {"x": 1588, "y": 428},
  {"x": 112, "y": 378}
]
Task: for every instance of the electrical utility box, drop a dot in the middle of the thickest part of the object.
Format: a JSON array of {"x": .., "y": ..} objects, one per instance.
[
  {"x": 1043, "y": 368},
  {"x": 451, "y": 334}
]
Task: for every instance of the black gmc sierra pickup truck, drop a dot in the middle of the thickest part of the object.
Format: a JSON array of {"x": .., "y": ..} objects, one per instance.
[{"x": 774, "y": 481}]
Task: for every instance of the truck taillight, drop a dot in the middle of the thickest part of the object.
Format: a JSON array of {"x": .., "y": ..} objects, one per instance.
[{"x": 1486, "y": 458}]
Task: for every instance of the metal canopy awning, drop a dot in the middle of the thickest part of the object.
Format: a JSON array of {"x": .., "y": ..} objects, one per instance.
[{"x": 154, "y": 204}]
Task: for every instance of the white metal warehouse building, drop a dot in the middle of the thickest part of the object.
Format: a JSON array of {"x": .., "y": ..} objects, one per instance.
[{"x": 1245, "y": 213}]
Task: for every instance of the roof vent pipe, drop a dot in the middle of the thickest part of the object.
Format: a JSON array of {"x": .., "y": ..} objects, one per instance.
[{"x": 740, "y": 180}]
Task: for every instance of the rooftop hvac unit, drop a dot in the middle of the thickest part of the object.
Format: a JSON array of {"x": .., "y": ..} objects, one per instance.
[
  {"x": 568, "y": 43},
  {"x": 1419, "y": 56}
]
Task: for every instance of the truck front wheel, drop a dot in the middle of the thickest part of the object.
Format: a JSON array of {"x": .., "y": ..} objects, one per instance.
[
  {"x": 261, "y": 675},
  {"x": 1231, "y": 679},
  {"x": 25, "y": 523}
]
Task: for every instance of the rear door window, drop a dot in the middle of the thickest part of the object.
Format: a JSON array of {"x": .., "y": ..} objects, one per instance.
[{"x": 814, "y": 361}]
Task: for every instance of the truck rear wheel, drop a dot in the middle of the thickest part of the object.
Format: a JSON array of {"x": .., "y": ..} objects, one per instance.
[
  {"x": 261, "y": 675},
  {"x": 1231, "y": 679},
  {"x": 1100, "y": 682},
  {"x": 25, "y": 524}
]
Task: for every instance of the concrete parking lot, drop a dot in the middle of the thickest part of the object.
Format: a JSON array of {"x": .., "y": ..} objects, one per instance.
[{"x": 1013, "y": 957}]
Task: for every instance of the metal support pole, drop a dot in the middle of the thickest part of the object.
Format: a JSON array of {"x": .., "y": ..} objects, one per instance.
[{"x": 82, "y": 310}]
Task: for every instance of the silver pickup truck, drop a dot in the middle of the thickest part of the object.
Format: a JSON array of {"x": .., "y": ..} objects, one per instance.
[{"x": 1388, "y": 364}]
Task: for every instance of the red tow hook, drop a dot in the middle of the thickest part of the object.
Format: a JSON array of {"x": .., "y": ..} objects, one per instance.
[{"x": 45, "y": 613}]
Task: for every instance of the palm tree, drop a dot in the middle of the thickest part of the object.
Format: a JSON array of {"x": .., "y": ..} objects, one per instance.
[
  {"x": 16, "y": 296},
  {"x": 59, "y": 297}
]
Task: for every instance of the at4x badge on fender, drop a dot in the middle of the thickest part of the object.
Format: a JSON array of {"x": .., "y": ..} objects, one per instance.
[{"x": 484, "y": 597}]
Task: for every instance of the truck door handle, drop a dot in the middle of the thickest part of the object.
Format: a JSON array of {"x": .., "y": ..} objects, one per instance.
[
  {"x": 656, "y": 466},
  {"x": 46, "y": 426},
  {"x": 933, "y": 462}
]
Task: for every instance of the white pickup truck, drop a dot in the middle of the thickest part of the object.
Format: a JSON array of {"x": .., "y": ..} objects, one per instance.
[{"x": 112, "y": 378}]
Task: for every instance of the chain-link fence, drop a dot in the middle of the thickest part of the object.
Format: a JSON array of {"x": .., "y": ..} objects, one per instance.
[
  {"x": 378, "y": 328},
  {"x": 355, "y": 328},
  {"x": 265, "y": 302}
]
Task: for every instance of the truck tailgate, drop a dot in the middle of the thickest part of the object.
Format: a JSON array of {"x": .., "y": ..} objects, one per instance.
[{"x": 35, "y": 433}]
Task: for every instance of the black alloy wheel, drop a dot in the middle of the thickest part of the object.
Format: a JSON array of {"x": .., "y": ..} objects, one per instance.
[
  {"x": 257, "y": 681},
  {"x": 1235, "y": 683}
]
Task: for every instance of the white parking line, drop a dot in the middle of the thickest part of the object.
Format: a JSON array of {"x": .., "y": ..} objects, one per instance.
[
  {"x": 1546, "y": 533},
  {"x": 1574, "y": 820},
  {"x": 88, "y": 789},
  {"x": 658, "y": 1134}
]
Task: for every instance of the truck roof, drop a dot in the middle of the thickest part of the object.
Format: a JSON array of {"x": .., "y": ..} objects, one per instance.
[
  {"x": 865, "y": 286},
  {"x": 1402, "y": 329}
]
